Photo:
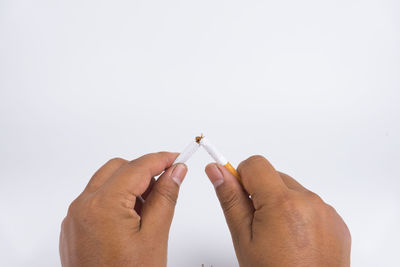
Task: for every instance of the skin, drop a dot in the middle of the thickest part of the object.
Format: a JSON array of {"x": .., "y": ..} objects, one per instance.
[
  {"x": 282, "y": 224},
  {"x": 107, "y": 226}
]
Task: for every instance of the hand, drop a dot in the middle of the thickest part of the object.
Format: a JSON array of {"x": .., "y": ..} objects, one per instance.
[
  {"x": 107, "y": 226},
  {"x": 282, "y": 223}
]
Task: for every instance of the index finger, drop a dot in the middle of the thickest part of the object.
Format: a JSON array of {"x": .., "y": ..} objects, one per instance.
[{"x": 134, "y": 177}]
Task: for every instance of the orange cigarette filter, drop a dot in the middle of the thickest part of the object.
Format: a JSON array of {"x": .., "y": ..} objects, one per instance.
[{"x": 232, "y": 170}]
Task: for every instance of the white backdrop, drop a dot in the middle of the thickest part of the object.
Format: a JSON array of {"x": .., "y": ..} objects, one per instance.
[{"x": 312, "y": 85}]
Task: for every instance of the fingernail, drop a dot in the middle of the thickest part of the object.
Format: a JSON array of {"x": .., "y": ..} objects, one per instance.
[
  {"x": 178, "y": 173},
  {"x": 217, "y": 178}
]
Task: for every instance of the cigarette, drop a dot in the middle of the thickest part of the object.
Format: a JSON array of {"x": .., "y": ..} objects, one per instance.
[
  {"x": 187, "y": 152},
  {"x": 182, "y": 158},
  {"x": 193, "y": 146},
  {"x": 217, "y": 156}
]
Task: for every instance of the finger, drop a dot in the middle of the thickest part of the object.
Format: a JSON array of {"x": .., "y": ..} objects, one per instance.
[
  {"x": 292, "y": 183},
  {"x": 139, "y": 203},
  {"x": 148, "y": 190},
  {"x": 134, "y": 177},
  {"x": 261, "y": 180},
  {"x": 158, "y": 210},
  {"x": 235, "y": 203},
  {"x": 105, "y": 172}
]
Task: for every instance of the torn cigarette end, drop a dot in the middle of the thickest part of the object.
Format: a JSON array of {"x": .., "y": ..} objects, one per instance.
[
  {"x": 198, "y": 138},
  {"x": 187, "y": 152},
  {"x": 218, "y": 157}
]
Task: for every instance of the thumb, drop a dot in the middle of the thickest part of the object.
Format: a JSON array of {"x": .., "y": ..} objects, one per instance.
[
  {"x": 235, "y": 202},
  {"x": 158, "y": 210}
]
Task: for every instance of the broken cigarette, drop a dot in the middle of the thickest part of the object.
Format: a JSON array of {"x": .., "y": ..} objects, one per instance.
[
  {"x": 210, "y": 148},
  {"x": 182, "y": 158},
  {"x": 187, "y": 152},
  {"x": 217, "y": 156}
]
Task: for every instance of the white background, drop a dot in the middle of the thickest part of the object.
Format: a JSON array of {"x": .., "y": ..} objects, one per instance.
[{"x": 312, "y": 85}]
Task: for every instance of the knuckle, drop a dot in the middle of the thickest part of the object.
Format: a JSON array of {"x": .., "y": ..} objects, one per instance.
[
  {"x": 155, "y": 155},
  {"x": 73, "y": 208},
  {"x": 91, "y": 211},
  {"x": 247, "y": 163},
  {"x": 306, "y": 203},
  {"x": 348, "y": 234},
  {"x": 90, "y": 205},
  {"x": 255, "y": 158},
  {"x": 283, "y": 197},
  {"x": 78, "y": 211},
  {"x": 128, "y": 201},
  {"x": 279, "y": 199},
  {"x": 330, "y": 209},
  {"x": 229, "y": 200},
  {"x": 314, "y": 198},
  {"x": 167, "y": 193},
  {"x": 144, "y": 160},
  {"x": 63, "y": 224},
  {"x": 151, "y": 156},
  {"x": 332, "y": 213},
  {"x": 116, "y": 161},
  {"x": 291, "y": 203},
  {"x": 93, "y": 202},
  {"x": 285, "y": 200}
]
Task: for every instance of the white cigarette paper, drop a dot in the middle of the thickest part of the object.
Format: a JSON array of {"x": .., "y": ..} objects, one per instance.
[
  {"x": 182, "y": 158},
  {"x": 214, "y": 153},
  {"x": 187, "y": 152}
]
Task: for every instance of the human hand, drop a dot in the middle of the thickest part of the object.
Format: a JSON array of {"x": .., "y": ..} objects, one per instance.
[
  {"x": 107, "y": 226},
  {"x": 283, "y": 223}
]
